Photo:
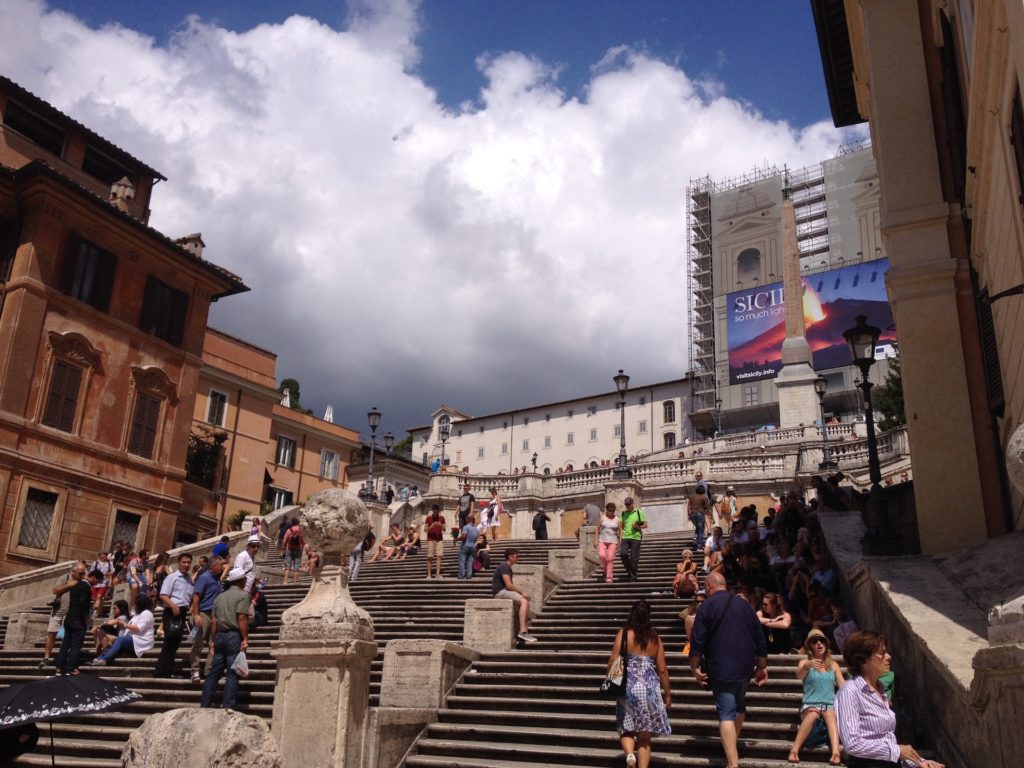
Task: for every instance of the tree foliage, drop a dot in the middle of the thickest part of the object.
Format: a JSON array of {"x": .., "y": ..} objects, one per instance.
[
  {"x": 292, "y": 386},
  {"x": 403, "y": 446},
  {"x": 889, "y": 396}
]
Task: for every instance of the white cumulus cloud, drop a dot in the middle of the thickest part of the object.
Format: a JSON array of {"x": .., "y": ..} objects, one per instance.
[{"x": 401, "y": 253}]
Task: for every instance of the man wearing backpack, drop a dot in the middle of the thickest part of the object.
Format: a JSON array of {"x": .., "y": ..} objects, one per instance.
[
  {"x": 293, "y": 546},
  {"x": 633, "y": 523}
]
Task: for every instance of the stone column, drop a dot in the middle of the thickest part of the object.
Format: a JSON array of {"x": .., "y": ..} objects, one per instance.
[
  {"x": 798, "y": 403},
  {"x": 325, "y": 648}
]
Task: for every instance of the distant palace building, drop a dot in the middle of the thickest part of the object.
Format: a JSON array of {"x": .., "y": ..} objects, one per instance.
[{"x": 567, "y": 435}]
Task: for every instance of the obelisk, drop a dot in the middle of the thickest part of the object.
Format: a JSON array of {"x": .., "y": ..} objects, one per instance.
[{"x": 798, "y": 403}]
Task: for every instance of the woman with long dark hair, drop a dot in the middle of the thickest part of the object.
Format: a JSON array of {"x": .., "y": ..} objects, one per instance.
[{"x": 642, "y": 712}]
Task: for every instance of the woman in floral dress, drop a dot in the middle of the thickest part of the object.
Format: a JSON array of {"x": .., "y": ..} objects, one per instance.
[{"x": 643, "y": 711}]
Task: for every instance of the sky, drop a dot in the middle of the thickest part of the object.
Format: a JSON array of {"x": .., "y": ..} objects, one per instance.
[{"x": 478, "y": 204}]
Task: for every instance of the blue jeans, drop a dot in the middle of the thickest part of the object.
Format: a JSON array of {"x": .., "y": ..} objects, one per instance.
[
  {"x": 123, "y": 644},
  {"x": 466, "y": 557},
  {"x": 698, "y": 535},
  {"x": 226, "y": 647}
]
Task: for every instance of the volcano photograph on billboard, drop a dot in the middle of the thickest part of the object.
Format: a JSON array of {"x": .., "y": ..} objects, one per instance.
[{"x": 831, "y": 301}]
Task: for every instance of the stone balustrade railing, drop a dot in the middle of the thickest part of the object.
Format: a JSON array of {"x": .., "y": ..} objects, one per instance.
[
  {"x": 849, "y": 430},
  {"x": 768, "y": 460}
]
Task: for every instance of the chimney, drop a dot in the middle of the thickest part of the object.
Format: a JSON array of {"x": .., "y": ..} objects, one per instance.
[
  {"x": 193, "y": 243},
  {"x": 122, "y": 193}
]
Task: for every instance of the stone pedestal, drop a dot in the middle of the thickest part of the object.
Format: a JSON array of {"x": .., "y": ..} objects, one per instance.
[
  {"x": 24, "y": 630},
  {"x": 420, "y": 673},
  {"x": 798, "y": 402},
  {"x": 489, "y": 625},
  {"x": 192, "y": 737},
  {"x": 326, "y": 647},
  {"x": 536, "y": 581},
  {"x": 616, "y": 491},
  {"x": 571, "y": 564},
  {"x": 587, "y": 543}
]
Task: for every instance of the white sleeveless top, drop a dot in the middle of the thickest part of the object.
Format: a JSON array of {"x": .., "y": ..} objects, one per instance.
[{"x": 609, "y": 530}]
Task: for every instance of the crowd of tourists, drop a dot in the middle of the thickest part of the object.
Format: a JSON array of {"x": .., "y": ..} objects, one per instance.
[
  {"x": 211, "y": 604},
  {"x": 769, "y": 587}
]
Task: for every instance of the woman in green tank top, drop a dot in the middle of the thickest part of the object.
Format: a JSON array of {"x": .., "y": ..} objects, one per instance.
[{"x": 822, "y": 677}]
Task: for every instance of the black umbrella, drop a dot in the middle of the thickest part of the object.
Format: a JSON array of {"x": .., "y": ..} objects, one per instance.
[{"x": 54, "y": 698}]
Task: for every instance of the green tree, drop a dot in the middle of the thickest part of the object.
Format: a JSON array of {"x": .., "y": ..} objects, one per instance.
[
  {"x": 889, "y": 396},
  {"x": 403, "y": 446},
  {"x": 292, "y": 386}
]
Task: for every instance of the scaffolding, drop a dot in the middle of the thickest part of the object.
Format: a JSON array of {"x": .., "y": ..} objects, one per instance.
[
  {"x": 808, "y": 190},
  {"x": 700, "y": 290}
]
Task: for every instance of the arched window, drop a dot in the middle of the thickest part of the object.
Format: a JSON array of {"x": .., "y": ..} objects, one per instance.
[
  {"x": 748, "y": 265},
  {"x": 669, "y": 407},
  {"x": 670, "y": 439}
]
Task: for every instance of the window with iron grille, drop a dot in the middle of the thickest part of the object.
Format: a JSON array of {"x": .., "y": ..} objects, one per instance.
[
  {"x": 145, "y": 424},
  {"x": 126, "y": 527},
  {"x": 88, "y": 273},
  {"x": 37, "y": 518},
  {"x": 62, "y": 399},
  {"x": 164, "y": 310}
]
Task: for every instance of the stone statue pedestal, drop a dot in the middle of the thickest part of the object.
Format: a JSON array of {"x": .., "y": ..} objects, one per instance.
[
  {"x": 616, "y": 492},
  {"x": 798, "y": 402},
  {"x": 326, "y": 646}
]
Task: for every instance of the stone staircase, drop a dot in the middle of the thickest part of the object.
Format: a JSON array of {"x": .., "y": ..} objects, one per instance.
[
  {"x": 525, "y": 708},
  {"x": 540, "y": 706}
]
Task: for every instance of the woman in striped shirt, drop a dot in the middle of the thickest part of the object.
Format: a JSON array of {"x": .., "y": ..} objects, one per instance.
[{"x": 867, "y": 726}]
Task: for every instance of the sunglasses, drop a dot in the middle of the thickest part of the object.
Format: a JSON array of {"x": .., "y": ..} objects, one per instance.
[{"x": 818, "y": 641}]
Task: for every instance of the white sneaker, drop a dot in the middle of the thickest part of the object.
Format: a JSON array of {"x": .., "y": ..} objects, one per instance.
[
  {"x": 526, "y": 637},
  {"x": 630, "y": 760}
]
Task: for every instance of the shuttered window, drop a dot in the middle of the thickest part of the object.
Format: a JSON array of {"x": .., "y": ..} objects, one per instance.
[
  {"x": 990, "y": 358},
  {"x": 8, "y": 246},
  {"x": 145, "y": 422},
  {"x": 88, "y": 273},
  {"x": 62, "y": 399},
  {"x": 164, "y": 310}
]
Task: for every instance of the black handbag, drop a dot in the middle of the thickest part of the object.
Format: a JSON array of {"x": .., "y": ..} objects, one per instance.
[
  {"x": 175, "y": 626},
  {"x": 614, "y": 685}
]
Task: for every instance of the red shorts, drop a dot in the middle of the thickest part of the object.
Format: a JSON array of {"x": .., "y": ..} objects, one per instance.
[{"x": 98, "y": 592}]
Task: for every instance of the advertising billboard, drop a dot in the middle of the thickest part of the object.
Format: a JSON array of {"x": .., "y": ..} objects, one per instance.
[{"x": 831, "y": 302}]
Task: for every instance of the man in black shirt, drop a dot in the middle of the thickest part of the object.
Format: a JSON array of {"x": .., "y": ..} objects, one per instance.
[
  {"x": 502, "y": 586},
  {"x": 77, "y": 619},
  {"x": 465, "y": 505}
]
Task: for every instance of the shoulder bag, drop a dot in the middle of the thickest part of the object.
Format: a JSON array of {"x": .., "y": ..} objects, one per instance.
[{"x": 614, "y": 685}]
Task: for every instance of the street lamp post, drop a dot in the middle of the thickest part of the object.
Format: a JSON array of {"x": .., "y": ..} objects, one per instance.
[
  {"x": 389, "y": 443},
  {"x": 445, "y": 430},
  {"x": 718, "y": 422},
  {"x": 622, "y": 471},
  {"x": 374, "y": 418},
  {"x": 820, "y": 387},
  {"x": 881, "y": 539},
  {"x": 534, "y": 461}
]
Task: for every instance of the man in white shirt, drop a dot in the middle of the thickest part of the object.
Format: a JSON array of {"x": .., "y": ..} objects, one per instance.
[
  {"x": 175, "y": 596},
  {"x": 246, "y": 560}
]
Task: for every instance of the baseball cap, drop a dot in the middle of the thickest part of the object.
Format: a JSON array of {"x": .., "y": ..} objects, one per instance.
[{"x": 628, "y": 500}]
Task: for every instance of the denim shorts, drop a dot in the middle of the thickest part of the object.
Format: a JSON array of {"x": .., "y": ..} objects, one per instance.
[{"x": 730, "y": 698}]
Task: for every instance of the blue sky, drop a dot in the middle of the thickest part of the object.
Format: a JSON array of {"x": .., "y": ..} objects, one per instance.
[
  {"x": 481, "y": 204},
  {"x": 764, "y": 53}
]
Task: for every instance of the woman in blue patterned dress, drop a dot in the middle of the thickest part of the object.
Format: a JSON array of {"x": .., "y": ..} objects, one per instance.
[{"x": 642, "y": 712}]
